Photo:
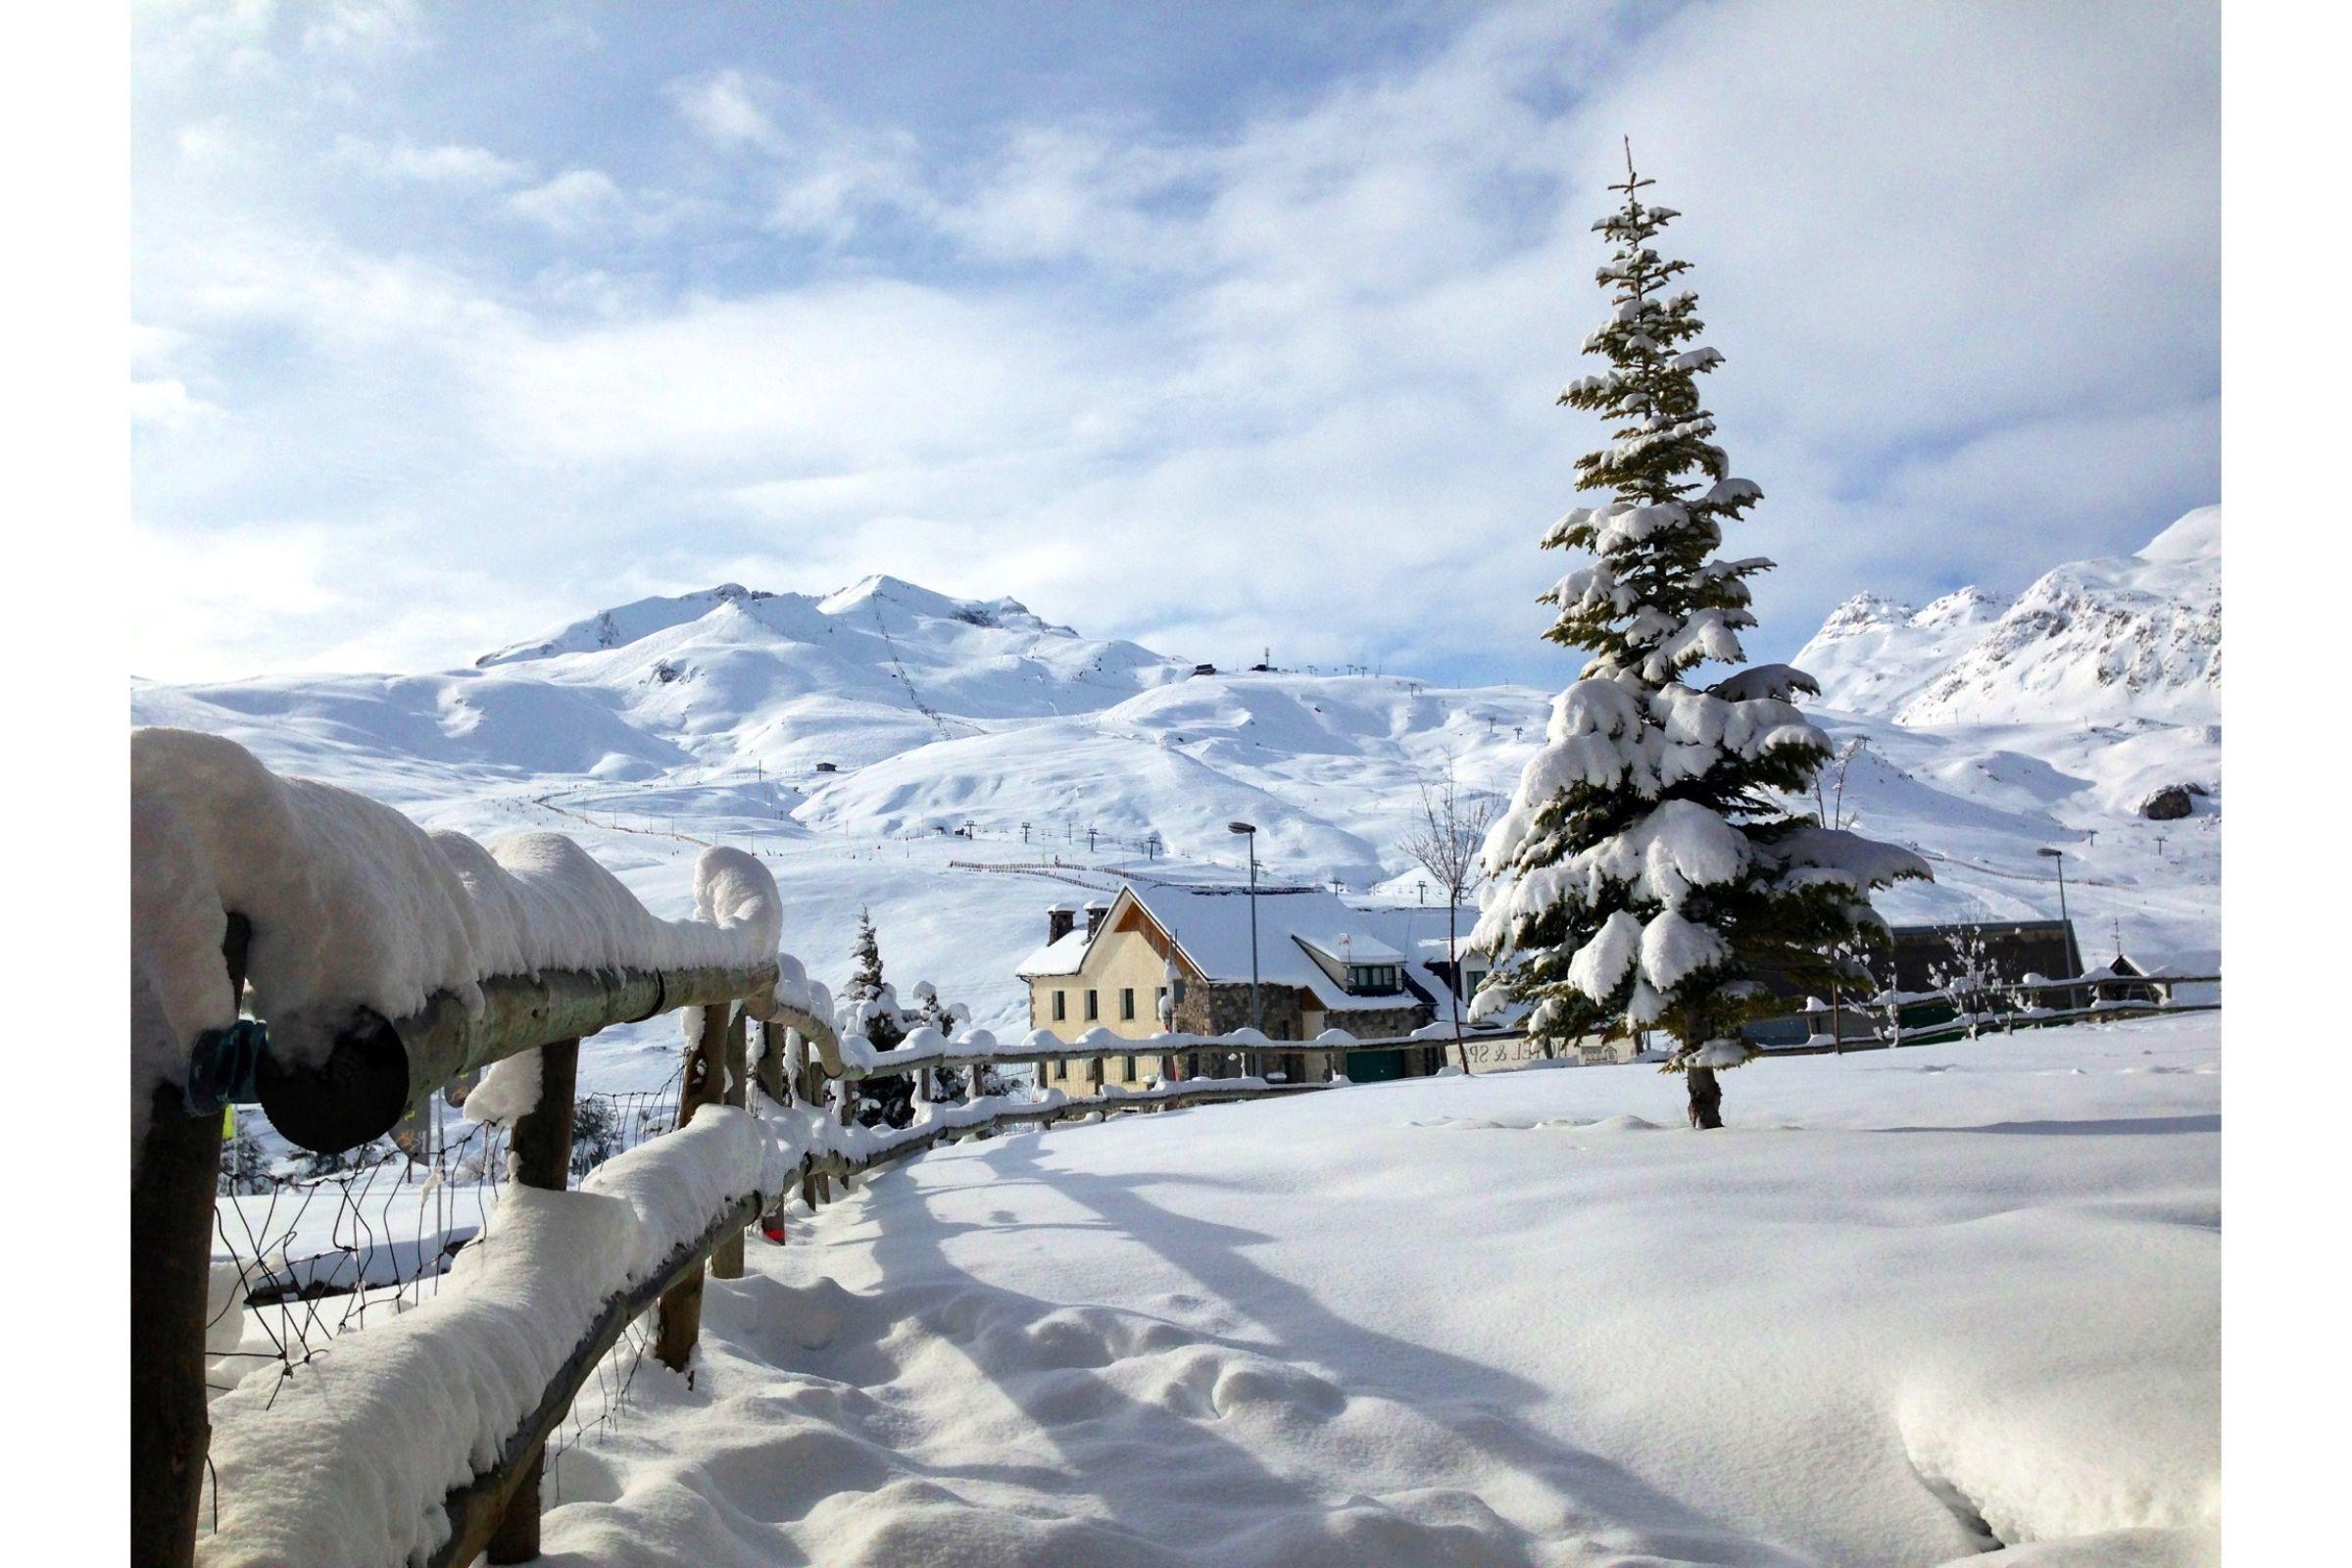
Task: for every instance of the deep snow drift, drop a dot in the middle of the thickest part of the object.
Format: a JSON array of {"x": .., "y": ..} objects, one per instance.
[{"x": 1906, "y": 1296}]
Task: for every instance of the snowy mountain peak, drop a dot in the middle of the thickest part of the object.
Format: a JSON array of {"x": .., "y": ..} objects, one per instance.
[
  {"x": 2195, "y": 537},
  {"x": 1968, "y": 607},
  {"x": 896, "y": 593},
  {"x": 623, "y": 624},
  {"x": 2131, "y": 637},
  {"x": 731, "y": 612},
  {"x": 1863, "y": 612}
]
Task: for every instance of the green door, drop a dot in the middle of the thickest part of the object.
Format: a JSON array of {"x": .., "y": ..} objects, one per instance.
[{"x": 1375, "y": 1066}]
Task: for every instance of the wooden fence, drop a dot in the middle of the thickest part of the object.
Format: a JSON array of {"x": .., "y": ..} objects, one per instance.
[{"x": 376, "y": 1068}]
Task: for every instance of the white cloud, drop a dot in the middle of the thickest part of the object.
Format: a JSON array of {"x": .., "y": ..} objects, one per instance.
[
  {"x": 366, "y": 28},
  {"x": 724, "y": 109},
  {"x": 449, "y": 163},
  {"x": 576, "y": 202}
]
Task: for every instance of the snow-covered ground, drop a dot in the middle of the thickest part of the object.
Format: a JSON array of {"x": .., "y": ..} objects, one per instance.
[{"x": 1486, "y": 1320}]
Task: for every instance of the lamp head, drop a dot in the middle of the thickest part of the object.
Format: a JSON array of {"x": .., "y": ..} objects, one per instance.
[{"x": 1241, "y": 827}]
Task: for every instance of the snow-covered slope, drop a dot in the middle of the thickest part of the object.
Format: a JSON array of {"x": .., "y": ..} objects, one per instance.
[
  {"x": 2134, "y": 638},
  {"x": 964, "y": 734}
]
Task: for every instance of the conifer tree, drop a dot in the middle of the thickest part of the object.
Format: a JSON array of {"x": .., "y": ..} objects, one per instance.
[
  {"x": 946, "y": 1083},
  {"x": 1648, "y": 871},
  {"x": 872, "y": 1011}
]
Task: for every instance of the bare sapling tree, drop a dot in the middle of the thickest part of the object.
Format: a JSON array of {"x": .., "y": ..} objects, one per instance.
[
  {"x": 1444, "y": 842},
  {"x": 1829, "y": 785},
  {"x": 1969, "y": 980}
]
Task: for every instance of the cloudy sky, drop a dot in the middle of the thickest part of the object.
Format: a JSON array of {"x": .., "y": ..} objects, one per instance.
[{"x": 1214, "y": 326}]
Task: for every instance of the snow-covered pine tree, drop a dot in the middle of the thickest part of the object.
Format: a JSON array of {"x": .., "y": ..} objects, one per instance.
[
  {"x": 946, "y": 1083},
  {"x": 872, "y": 1009},
  {"x": 1646, "y": 870}
]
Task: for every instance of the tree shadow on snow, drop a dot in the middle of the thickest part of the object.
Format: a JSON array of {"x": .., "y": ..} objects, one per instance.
[{"x": 1161, "y": 1455}]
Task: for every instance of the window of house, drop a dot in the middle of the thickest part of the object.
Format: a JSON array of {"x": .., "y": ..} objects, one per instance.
[
  {"x": 1061, "y": 1005},
  {"x": 1062, "y": 1068},
  {"x": 1159, "y": 1001},
  {"x": 1131, "y": 1069},
  {"x": 1127, "y": 1004},
  {"x": 1094, "y": 1009}
]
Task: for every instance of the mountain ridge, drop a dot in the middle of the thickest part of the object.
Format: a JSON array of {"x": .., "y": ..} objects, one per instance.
[{"x": 2112, "y": 639}]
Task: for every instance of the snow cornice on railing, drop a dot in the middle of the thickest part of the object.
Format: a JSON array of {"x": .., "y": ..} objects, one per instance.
[{"x": 386, "y": 959}]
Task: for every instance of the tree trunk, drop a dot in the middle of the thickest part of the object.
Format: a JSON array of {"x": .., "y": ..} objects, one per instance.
[{"x": 1706, "y": 1098}]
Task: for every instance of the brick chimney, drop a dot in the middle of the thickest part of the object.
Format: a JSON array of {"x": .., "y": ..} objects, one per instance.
[
  {"x": 1093, "y": 918},
  {"x": 1059, "y": 918}
]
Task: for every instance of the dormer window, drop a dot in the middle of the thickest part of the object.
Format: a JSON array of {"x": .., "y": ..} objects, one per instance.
[{"x": 1372, "y": 979}]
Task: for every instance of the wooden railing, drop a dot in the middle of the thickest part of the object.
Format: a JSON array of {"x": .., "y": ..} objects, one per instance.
[
  {"x": 373, "y": 1068},
  {"x": 1995, "y": 1008}
]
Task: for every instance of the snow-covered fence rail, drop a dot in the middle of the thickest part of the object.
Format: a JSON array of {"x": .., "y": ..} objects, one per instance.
[
  {"x": 304, "y": 945},
  {"x": 1997, "y": 1007}
]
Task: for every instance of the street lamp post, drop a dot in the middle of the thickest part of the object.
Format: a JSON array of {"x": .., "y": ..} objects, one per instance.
[
  {"x": 2058, "y": 855},
  {"x": 1249, "y": 831}
]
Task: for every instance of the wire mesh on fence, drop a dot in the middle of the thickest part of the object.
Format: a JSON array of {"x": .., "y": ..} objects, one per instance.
[{"x": 308, "y": 1248}]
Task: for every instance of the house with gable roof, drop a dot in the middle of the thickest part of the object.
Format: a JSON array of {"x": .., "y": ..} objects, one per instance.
[{"x": 1163, "y": 958}]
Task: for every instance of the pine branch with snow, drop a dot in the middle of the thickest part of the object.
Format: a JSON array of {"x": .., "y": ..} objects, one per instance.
[{"x": 1645, "y": 874}]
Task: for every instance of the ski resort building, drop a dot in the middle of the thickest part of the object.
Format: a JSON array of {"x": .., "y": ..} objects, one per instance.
[{"x": 1163, "y": 957}]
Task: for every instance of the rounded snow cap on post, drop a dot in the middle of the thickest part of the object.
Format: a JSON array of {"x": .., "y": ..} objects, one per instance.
[
  {"x": 735, "y": 892},
  {"x": 1040, "y": 1039}
]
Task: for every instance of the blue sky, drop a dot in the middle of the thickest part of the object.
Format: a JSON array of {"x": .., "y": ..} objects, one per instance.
[{"x": 1214, "y": 326}]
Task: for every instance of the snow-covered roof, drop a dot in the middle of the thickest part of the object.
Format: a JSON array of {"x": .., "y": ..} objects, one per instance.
[
  {"x": 1062, "y": 956},
  {"x": 1348, "y": 947},
  {"x": 1211, "y": 926}
]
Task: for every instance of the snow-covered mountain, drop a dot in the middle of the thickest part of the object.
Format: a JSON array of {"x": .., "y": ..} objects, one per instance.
[
  {"x": 931, "y": 759},
  {"x": 2134, "y": 638}
]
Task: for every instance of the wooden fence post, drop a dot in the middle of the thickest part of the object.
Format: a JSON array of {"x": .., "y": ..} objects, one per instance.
[
  {"x": 680, "y": 1323},
  {"x": 540, "y": 1155},
  {"x": 174, "y": 1186},
  {"x": 726, "y": 1258}
]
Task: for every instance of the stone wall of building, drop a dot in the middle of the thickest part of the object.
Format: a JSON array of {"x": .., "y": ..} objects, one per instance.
[
  {"x": 1214, "y": 1009},
  {"x": 1383, "y": 1023}
]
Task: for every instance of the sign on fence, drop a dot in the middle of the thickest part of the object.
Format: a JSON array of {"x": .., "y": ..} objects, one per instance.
[{"x": 1501, "y": 1055}]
